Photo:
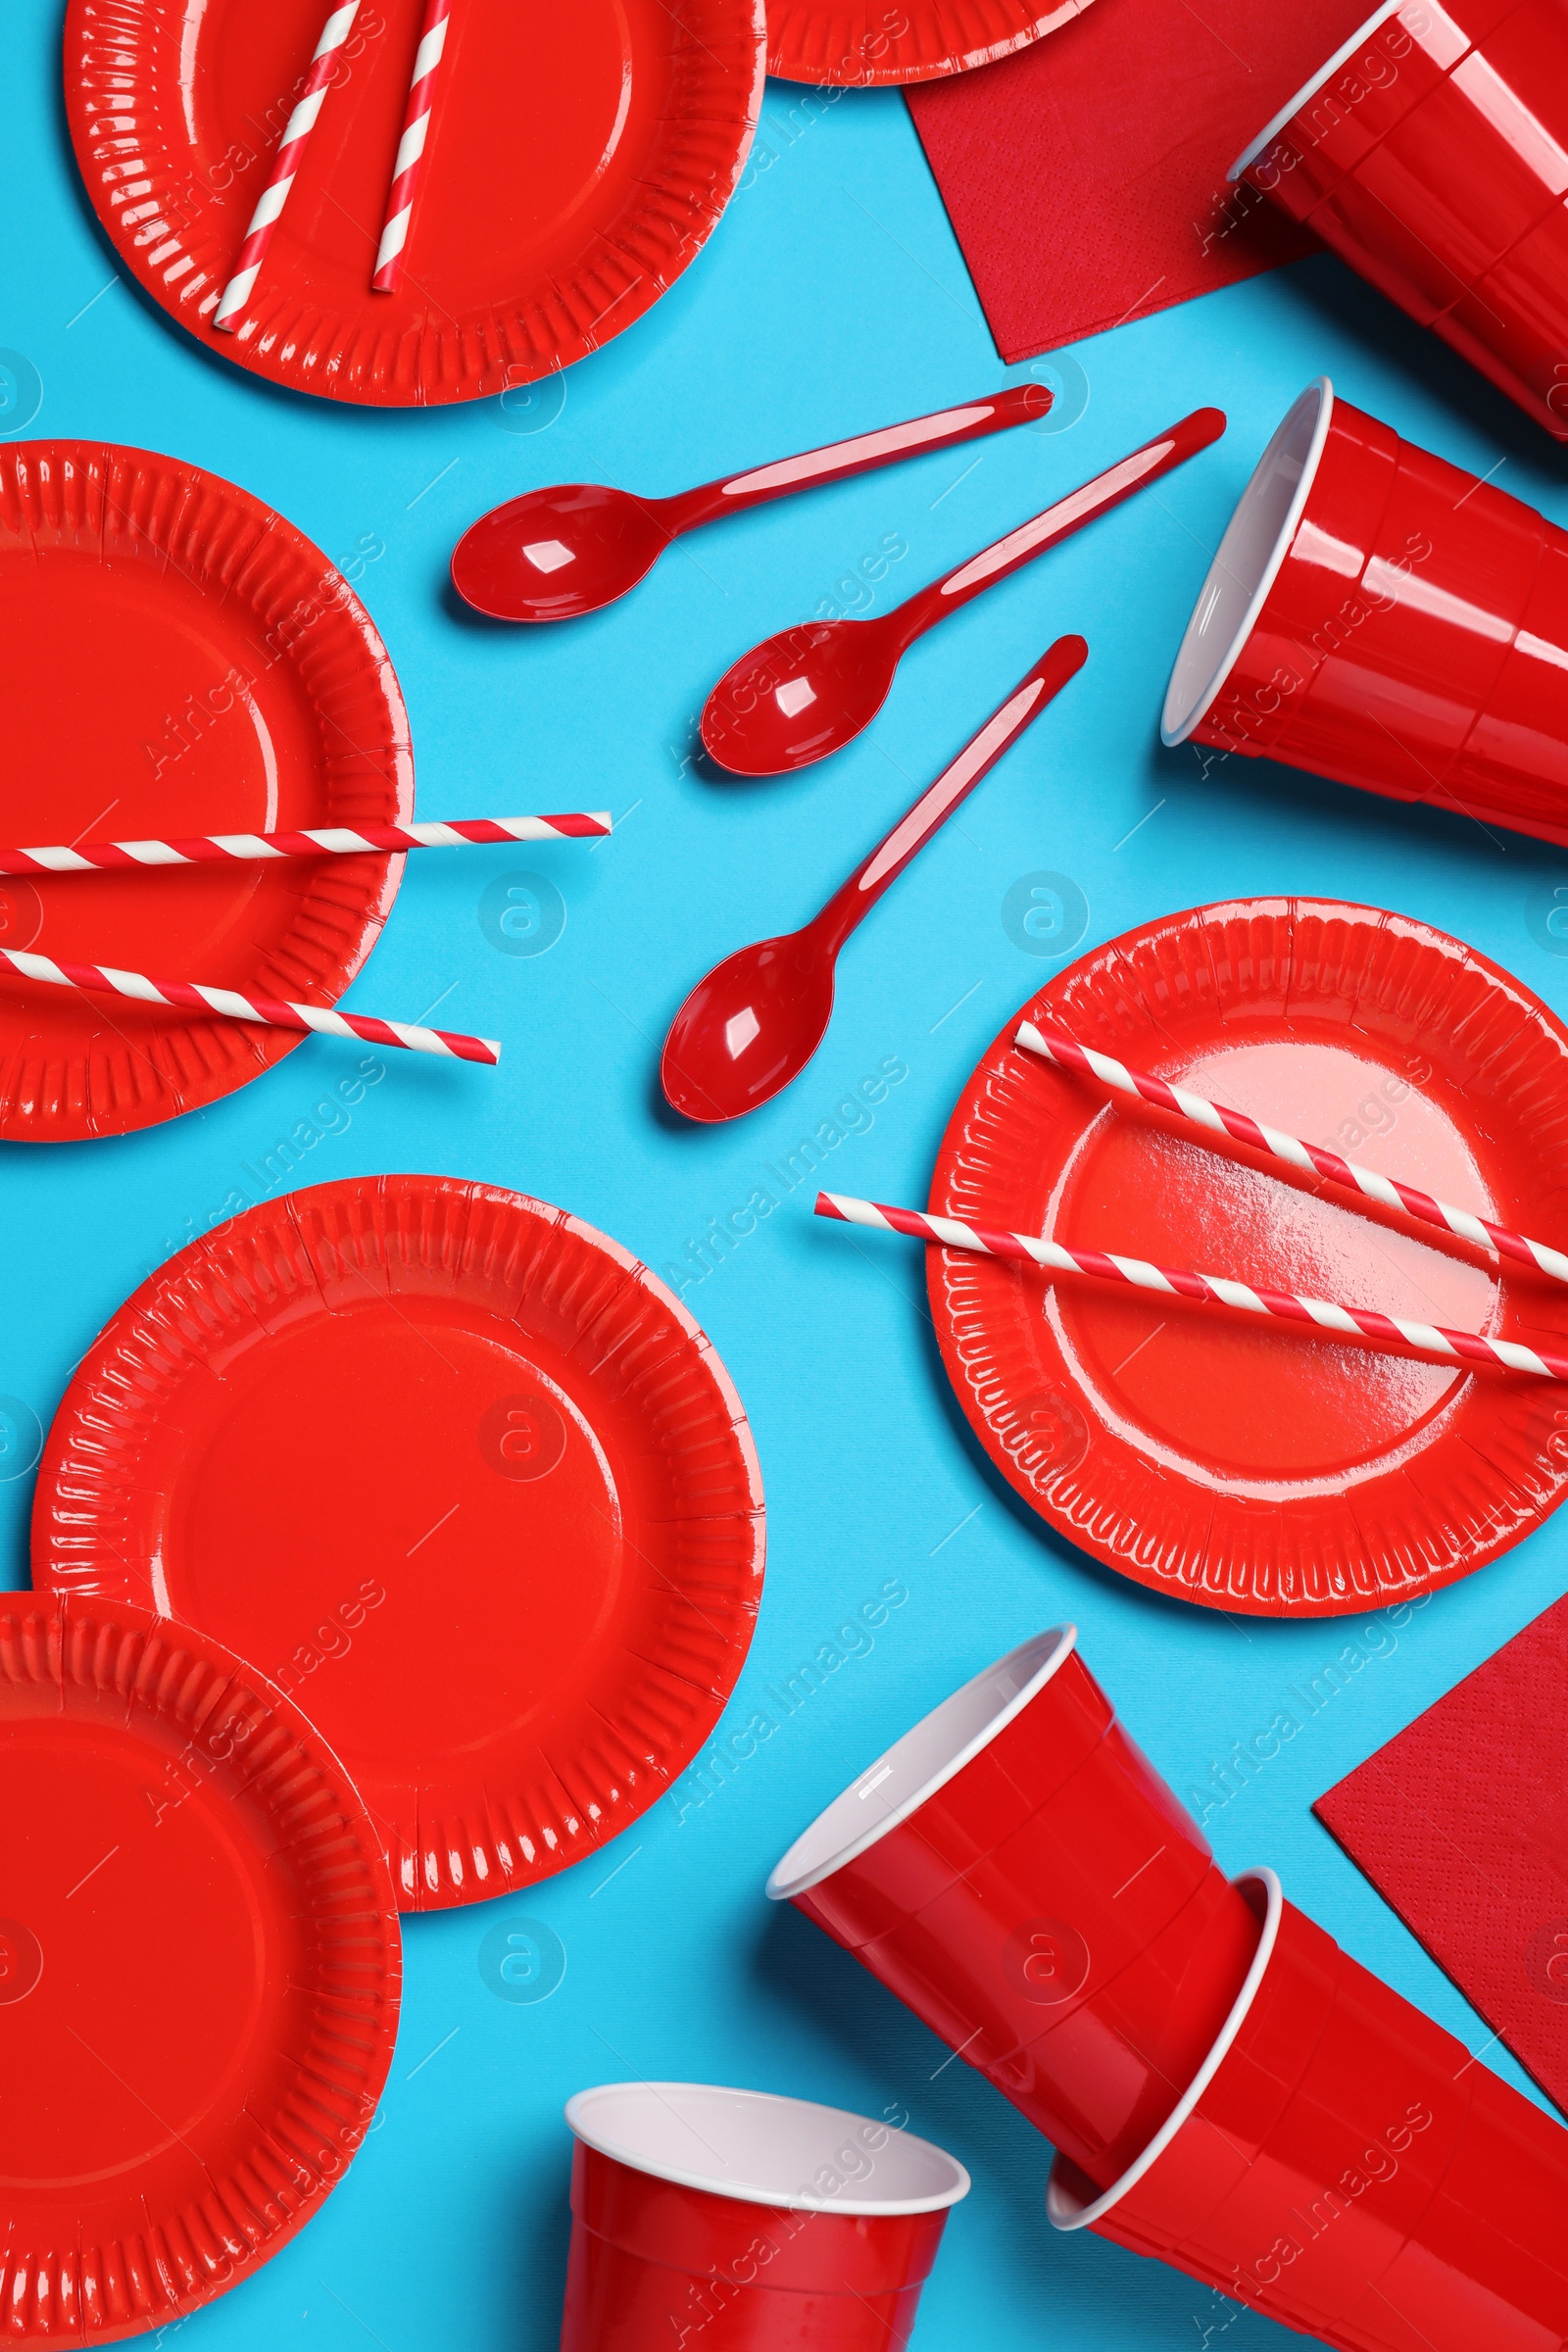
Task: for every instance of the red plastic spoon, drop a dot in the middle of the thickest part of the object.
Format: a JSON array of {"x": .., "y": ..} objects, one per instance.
[
  {"x": 811, "y": 690},
  {"x": 755, "y": 1022},
  {"x": 556, "y": 552}
]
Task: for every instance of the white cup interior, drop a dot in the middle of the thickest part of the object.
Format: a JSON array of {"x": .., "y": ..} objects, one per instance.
[
  {"x": 766, "y": 2151},
  {"x": 889, "y": 1791},
  {"x": 1255, "y": 546},
  {"x": 1309, "y": 89}
]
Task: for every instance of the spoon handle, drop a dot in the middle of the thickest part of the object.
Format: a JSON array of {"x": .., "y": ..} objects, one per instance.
[
  {"x": 1018, "y": 404},
  {"x": 936, "y": 803},
  {"x": 1171, "y": 449}
]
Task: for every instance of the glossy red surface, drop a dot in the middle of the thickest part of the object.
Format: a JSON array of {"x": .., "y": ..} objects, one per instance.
[
  {"x": 1056, "y": 1916},
  {"x": 590, "y": 545},
  {"x": 1467, "y": 171},
  {"x": 1389, "y": 75},
  {"x": 1515, "y": 759},
  {"x": 752, "y": 1024},
  {"x": 1513, "y": 323},
  {"x": 574, "y": 546},
  {"x": 1411, "y": 640},
  {"x": 749, "y": 1026},
  {"x": 578, "y": 159},
  {"x": 651, "y": 2258},
  {"x": 1249, "y": 1469},
  {"x": 865, "y": 43},
  {"x": 1435, "y": 164},
  {"x": 237, "y": 684},
  {"x": 1353, "y": 2172},
  {"x": 807, "y": 691},
  {"x": 194, "y": 2040},
  {"x": 464, "y": 1477}
]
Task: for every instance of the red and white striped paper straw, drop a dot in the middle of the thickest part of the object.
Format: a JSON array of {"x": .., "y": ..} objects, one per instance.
[
  {"x": 1392, "y": 1332},
  {"x": 411, "y": 146},
  {"x": 188, "y": 996},
  {"x": 298, "y": 128},
  {"x": 331, "y": 841},
  {"x": 1217, "y": 1120}
]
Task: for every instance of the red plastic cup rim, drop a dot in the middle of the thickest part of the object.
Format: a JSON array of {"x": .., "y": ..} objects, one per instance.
[
  {"x": 925, "y": 1758},
  {"x": 769, "y": 2145},
  {"x": 1311, "y": 89},
  {"x": 1257, "y": 539},
  {"x": 1065, "y": 2209}
]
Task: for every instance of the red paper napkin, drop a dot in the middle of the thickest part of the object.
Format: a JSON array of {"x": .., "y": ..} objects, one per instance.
[
  {"x": 1085, "y": 177},
  {"x": 1461, "y": 1823}
]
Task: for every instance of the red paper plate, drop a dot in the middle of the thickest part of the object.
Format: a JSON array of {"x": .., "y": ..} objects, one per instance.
[
  {"x": 178, "y": 659},
  {"x": 577, "y": 157},
  {"x": 864, "y": 43},
  {"x": 199, "y": 1970},
  {"x": 462, "y": 1476},
  {"x": 1252, "y": 1469}
]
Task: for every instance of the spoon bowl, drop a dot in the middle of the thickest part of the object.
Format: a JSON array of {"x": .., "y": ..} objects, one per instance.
[
  {"x": 555, "y": 554},
  {"x": 754, "y": 1023},
  {"x": 800, "y": 695},
  {"x": 746, "y": 1030},
  {"x": 809, "y": 690},
  {"x": 573, "y": 548}
]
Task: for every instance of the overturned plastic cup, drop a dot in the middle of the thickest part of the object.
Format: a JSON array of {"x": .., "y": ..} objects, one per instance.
[
  {"x": 1431, "y": 153},
  {"x": 1387, "y": 619},
  {"x": 1342, "y": 2165},
  {"x": 1017, "y": 1872}
]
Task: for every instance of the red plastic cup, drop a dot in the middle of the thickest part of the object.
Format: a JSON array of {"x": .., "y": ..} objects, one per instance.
[
  {"x": 1514, "y": 764},
  {"x": 1385, "y": 619},
  {"x": 1468, "y": 172},
  {"x": 1016, "y": 1872},
  {"x": 1369, "y": 84},
  {"x": 1342, "y": 2165},
  {"x": 1513, "y": 323},
  {"x": 1431, "y": 153},
  {"x": 743, "y": 2222}
]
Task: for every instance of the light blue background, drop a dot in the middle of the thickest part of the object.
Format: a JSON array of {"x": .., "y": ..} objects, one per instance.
[{"x": 832, "y": 298}]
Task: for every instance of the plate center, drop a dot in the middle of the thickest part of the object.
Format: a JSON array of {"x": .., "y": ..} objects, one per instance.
[
  {"x": 156, "y": 1947},
  {"x": 1216, "y": 1396},
  {"x": 400, "y": 1513},
  {"x": 192, "y": 725},
  {"x": 542, "y": 121}
]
